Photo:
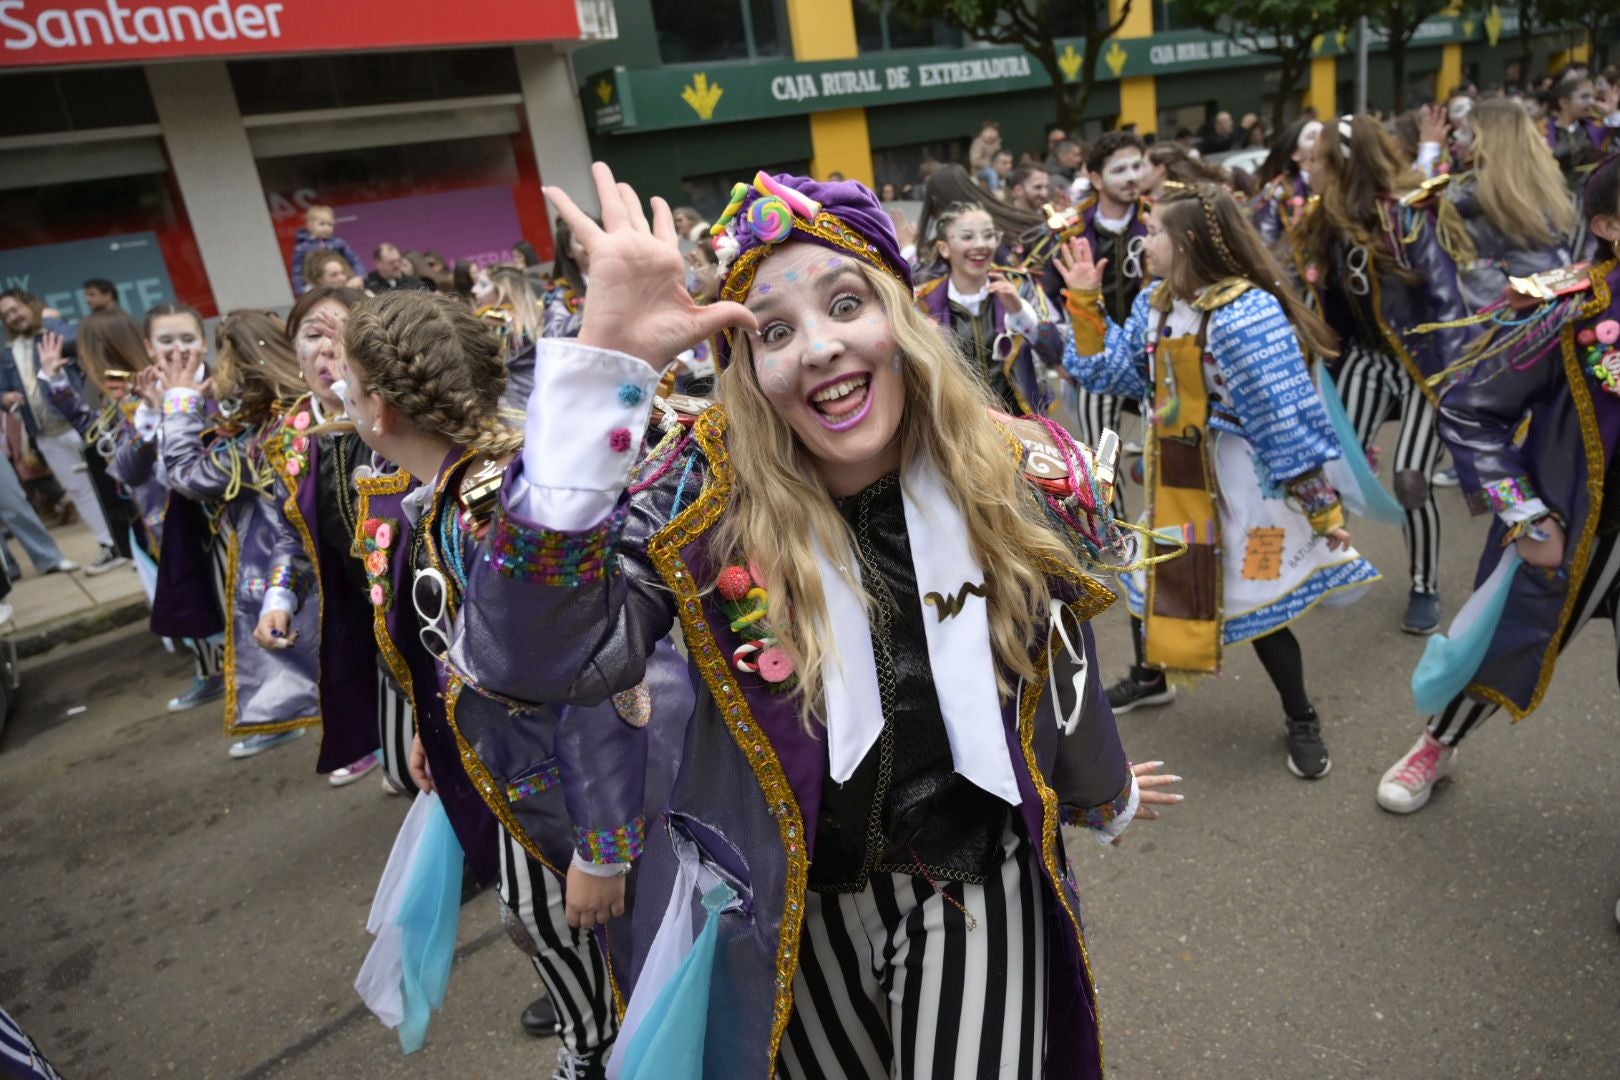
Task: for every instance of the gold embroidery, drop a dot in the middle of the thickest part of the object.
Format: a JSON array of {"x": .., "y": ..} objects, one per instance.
[
  {"x": 233, "y": 558},
  {"x": 953, "y": 605},
  {"x": 368, "y": 486},
  {"x": 493, "y": 794},
  {"x": 1592, "y": 439},
  {"x": 275, "y": 453}
]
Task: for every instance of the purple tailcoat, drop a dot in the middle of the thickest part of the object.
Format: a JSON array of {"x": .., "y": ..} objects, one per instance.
[{"x": 1024, "y": 364}]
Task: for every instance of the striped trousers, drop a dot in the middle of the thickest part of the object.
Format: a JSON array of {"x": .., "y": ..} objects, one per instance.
[
  {"x": 1099, "y": 413},
  {"x": 210, "y": 652},
  {"x": 896, "y": 981},
  {"x": 569, "y": 961},
  {"x": 396, "y": 727},
  {"x": 1376, "y": 388},
  {"x": 20, "y": 1057},
  {"x": 1599, "y": 598}
]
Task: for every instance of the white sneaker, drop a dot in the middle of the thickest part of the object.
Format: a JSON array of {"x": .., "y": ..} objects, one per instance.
[
  {"x": 7, "y": 613},
  {"x": 258, "y": 744},
  {"x": 66, "y": 566},
  {"x": 1407, "y": 785}
]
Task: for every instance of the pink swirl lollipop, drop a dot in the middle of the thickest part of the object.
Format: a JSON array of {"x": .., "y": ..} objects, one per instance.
[
  {"x": 801, "y": 204},
  {"x": 770, "y": 219}
]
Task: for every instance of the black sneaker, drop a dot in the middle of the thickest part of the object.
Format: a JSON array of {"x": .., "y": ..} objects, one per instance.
[
  {"x": 1307, "y": 753},
  {"x": 540, "y": 1018},
  {"x": 1422, "y": 613},
  {"x": 109, "y": 560},
  {"x": 1128, "y": 694}
]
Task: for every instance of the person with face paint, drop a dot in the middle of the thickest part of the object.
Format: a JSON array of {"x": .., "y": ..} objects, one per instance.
[
  {"x": 1235, "y": 455},
  {"x": 1553, "y": 491},
  {"x": 1281, "y": 202},
  {"x": 998, "y": 315},
  {"x": 886, "y": 610},
  {"x": 224, "y": 463},
  {"x": 1512, "y": 198},
  {"x": 548, "y": 800},
  {"x": 1379, "y": 252},
  {"x": 312, "y": 558},
  {"x": 1580, "y": 127}
]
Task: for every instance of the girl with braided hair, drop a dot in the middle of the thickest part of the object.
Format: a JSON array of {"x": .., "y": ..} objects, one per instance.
[
  {"x": 549, "y": 801},
  {"x": 1234, "y": 458},
  {"x": 222, "y": 461}
]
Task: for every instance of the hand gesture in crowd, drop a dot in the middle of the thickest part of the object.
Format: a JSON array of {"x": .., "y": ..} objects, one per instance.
[
  {"x": 904, "y": 230},
  {"x": 1433, "y": 125},
  {"x": 180, "y": 370},
  {"x": 51, "y": 360},
  {"x": 1547, "y": 554},
  {"x": 590, "y": 900},
  {"x": 1079, "y": 271},
  {"x": 1338, "y": 539},
  {"x": 639, "y": 303},
  {"x": 1005, "y": 291},
  {"x": 1149, "y": 784},
  {"x": 149, "y": 386}
]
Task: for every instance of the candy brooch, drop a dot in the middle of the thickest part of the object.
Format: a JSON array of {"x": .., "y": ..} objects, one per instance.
[
  {"x": 745, "y": 603},
  {"x": 769, "y": 218},
  {"x": 1602, "y": 357},
  {"x": 377, "y": 540},
  {"x": 295, "y": 443}
]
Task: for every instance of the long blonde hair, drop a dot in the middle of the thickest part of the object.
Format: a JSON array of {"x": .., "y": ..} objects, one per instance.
[
  {"x": 780, "y": 509},
  {"x": 1520, "y": 187},
  {"x": 515, "y": 289},
  {"x": 255, "y": 365}
]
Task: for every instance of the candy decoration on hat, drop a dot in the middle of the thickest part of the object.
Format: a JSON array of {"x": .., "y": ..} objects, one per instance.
[
  {"x": 770, "y": 220},
  {"x": 801, "y": 204}
]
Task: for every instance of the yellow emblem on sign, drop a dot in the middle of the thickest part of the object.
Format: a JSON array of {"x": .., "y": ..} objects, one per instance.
[
  {"x": 604, "y": 91},
  {"x": 1070, "y": 61},
  {"x": 702, "y": 96},
  {"x": 1316, "y": 44},
  {"x": 1115, "y": 58},
  {"x": 1468, "y": 28},
  {"x": 1341, "y": 37},
  {"x": 1493, "y": 24}
]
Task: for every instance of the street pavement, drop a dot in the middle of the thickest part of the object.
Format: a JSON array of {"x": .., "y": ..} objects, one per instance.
[{"x": 170, "y": 912}]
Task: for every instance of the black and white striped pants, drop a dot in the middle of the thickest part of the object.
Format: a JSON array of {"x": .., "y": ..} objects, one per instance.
[
  {"x": 20, "y": 1056},
  {"x": 1599, "y": 598},
  {"x": 1376, "y": 387},
  {"x": 893, "y": 982},
  {"x": 210, "y": 651},
  {"x": 569, "y": 961},
  {"x": 1099, "y": 413},
  {"x": 396, "y": 727}
]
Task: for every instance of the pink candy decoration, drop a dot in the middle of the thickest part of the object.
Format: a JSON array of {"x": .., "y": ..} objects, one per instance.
[
  {"x": 294, "y": 466},
  {"x": 1586, "y": 337},
  {"x": 619, "y": 439},
  {"x": 301, "y": 443},
  {"x": 301, "y": 422},
  {"x": 385, "y": 536},
  {"x": 801, "y": 205},
  {"x": 774, "y": 665},
  {"x": 1608, "y": 331},
  {"x": 378, "y": 595}
]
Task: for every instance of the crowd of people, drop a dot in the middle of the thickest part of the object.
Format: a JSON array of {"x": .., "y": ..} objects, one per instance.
[{"x": 873, "y": 471}]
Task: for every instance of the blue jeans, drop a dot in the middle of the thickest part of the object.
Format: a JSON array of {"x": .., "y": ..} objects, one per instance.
[{"x": 20, "y": 520}]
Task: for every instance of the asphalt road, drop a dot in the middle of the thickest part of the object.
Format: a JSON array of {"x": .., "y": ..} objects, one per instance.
[{"x": 168, "y": 911}]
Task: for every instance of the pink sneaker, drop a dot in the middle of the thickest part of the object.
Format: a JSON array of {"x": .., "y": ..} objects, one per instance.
[
  {"x": 354, "y": 770},
  {"x": 1407, "y": 785}
]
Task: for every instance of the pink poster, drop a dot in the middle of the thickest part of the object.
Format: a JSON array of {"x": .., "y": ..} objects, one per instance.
[{"x": 470, "y": 225}]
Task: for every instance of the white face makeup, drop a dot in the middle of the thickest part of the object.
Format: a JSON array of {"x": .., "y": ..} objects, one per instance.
[
  {"x": 970, "y": 246},
  {"x": 826, "y": 359},
  {"x": 1121, "y": 177},
  {"x": 176, "y": 337},
  {"x": 320, "y": 358},
  {"x": 1307, "y": 141}
]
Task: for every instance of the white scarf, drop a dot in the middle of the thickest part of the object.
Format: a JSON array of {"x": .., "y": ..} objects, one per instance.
[{"x": 959, "y": 652}]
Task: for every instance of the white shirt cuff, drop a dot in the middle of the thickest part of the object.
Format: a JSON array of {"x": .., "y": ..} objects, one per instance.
[
  {"x": 277, "y": 598},
  {"x": 604, "y": 870},
  {"x": 1528, "y": 510},
  {"x": 1024, "y": 321},
  {"x": 148, "y": 422},
  {"x": 586, "y": 416},
  {"x": 59, "y": 380},
  {"x": 1111, "y": 832}
]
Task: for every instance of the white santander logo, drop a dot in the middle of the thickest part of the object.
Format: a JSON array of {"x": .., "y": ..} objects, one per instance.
[{"x": 118, "y": 24}]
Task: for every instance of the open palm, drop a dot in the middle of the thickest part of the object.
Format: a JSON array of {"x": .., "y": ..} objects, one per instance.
[{"x": 638, "y": 303}]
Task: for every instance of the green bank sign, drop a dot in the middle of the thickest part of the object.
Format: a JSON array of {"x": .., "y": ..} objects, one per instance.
[{"x": 686, "y": 96}]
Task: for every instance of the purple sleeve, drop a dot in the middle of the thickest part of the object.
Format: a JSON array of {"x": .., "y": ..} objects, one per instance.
[
  {"x": 196, "y": 471},
  {"x": 1479, "y": 416}
]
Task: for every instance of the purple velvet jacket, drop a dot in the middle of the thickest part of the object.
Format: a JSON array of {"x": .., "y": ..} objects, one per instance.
[
  {"x": 1573, "y": 436},
  {"x": 130, "y": 459},
  {"x": 748, "y": 794},
  {"x": 1280, "y": 204},
  {"x": 265, "y": 691},
  {"x": 1027, "y": 360}
]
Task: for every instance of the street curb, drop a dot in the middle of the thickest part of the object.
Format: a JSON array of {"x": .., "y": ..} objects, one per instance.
[{"x": 37, "y": 640}]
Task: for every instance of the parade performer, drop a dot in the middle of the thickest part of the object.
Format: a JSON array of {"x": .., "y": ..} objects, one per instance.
[
  {"x": 223, "y": 463},
  {"x": 1379, "y": 250},
  {"x": 520, "y": 317},
  {"x": 1580, "y": 128},
  {"x": 1554, "y": 493},
  {"x": 1519, "y": 214},
  {"x": 863, "y": 575},
  {"x": 570, "y": 275},
  {"x": 1234, "y": 458},
  {"x": 998, "y": 315},
  {"x": 549, "y": 801},
  {"x": 315, "y": 458},
  {"x": 1281, "y": 203}
]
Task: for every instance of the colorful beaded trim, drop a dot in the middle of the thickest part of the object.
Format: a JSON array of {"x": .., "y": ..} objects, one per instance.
[
  {"x": 619, "y": 845},
  {"x": 184, "y": 403},
  {"x": 544, "y": 780},
  {"x": 544, "y": 557},
  {"x": 1601, "y": 357},
  {"x": 1499, "y": 495},
  {"x": 1097, "y": 817},
  {"x": 285, "y": 576}
]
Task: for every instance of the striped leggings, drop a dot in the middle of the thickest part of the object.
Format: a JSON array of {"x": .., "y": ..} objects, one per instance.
[
  {"x": 1599, "y": 598},
  {"x": 210, "y": 652},
  {"x": 396, "y": 727},
  {"x": 1099, "y": 413},
  {"x": 569, "y": 961},
  {"x": 895, "y": 981},
  {"x": 1376, "y": 387}
]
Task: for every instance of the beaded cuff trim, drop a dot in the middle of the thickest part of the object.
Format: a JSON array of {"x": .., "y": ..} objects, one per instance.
[
  {"x": 544, "y": 557},
  {"x": 544, "y": 780},
  {"x": 1318, "y": 501},
  {"x": 1097, "y": 817},
  {"x": 184, "y": 405},
  {"x": 619, "y": 845},
  {"x": 285, "y": 576},
  {"x": 1500, "y": 495}
]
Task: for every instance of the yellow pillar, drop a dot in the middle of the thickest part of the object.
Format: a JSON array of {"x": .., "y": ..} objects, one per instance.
[
  {"x": 1138, "y": 94},
  {"x": 1323, "y": 93},
  {"x": 1450, "y": 75},
  {"x": 839, "y": 139}
]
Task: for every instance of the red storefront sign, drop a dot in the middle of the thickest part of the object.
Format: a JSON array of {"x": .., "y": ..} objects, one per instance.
[{"x": 60, "y": 32}]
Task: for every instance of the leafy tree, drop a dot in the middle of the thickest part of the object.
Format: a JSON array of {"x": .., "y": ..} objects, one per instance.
[
  {"x": 1284, "y": 29},
  {"x": 1034, "y": 26},
  {"x": 1399, "y": 20},
  {"x": 1598, "y": 20}
]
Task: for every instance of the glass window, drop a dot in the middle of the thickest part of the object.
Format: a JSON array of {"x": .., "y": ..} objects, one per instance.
[
  {"x": 878, "y": 28},
  {"x": 298, "y": 83},
  {"x": 870, "y": 17},
  {"x": 41, "y": 102},
  {"x": 690, "y": 33}
]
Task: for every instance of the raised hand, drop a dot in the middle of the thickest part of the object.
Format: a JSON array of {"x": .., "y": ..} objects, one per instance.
[
  {"x": 638, "y": 299},
  {"x": 179, "y": 367},
  {"x": 149, "y": 386},
  {"x": 1433, "y": 124},
  {"x": 1079, "y": 271},
  {"x": 51, "y": 359}
]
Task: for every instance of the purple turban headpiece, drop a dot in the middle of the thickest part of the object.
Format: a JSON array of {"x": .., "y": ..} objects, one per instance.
[{"x": 843, "y": 216}]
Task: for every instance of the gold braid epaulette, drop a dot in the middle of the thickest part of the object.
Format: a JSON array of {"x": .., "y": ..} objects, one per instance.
[
  {"x": 1427, "y": 190},
  {"x": 1223, "y": 292}
]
